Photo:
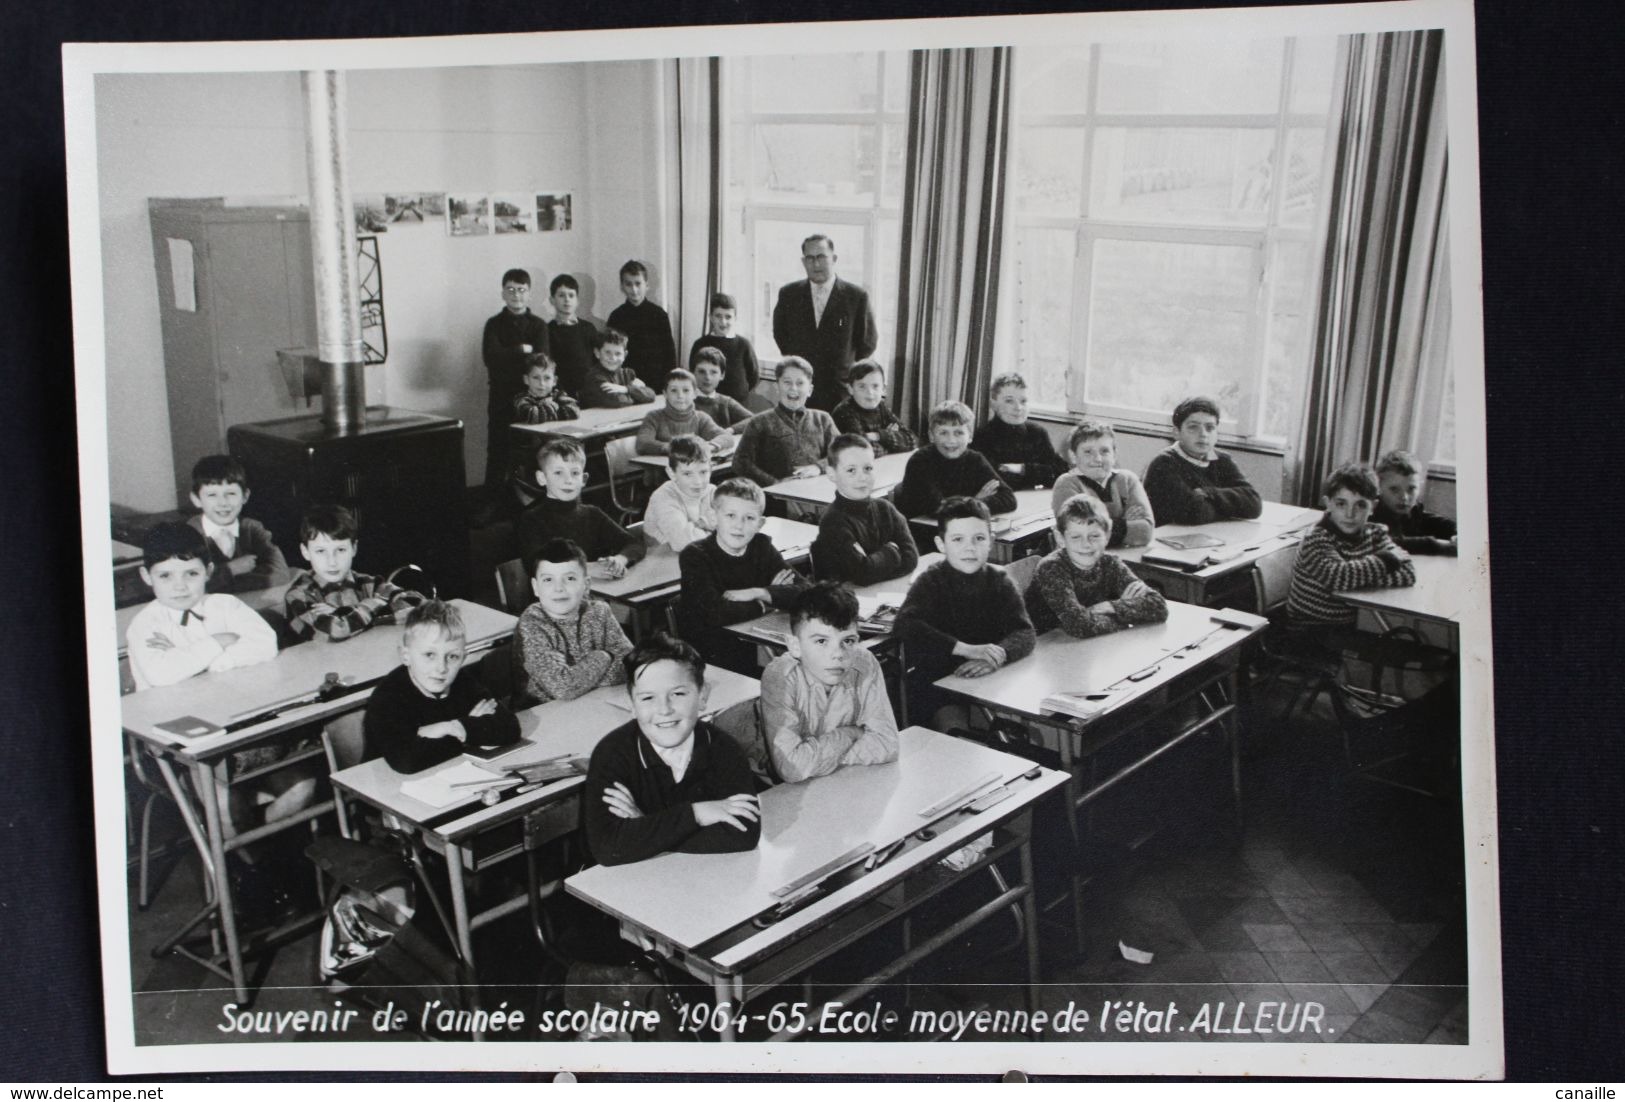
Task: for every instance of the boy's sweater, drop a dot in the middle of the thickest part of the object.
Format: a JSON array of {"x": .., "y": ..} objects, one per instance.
[
  {"x": 397, "y": 708},
  {"x": 192, "y": 647},
  {"x": 1329, "y": 561},
  {"x": 677, "y": 520},
  {"x": 565, "y": 658},
  {"x": 661, "y": 426},
  {"x": 777, "y": 441},
  {"x": 1185, "y": 492},
  {"x": 708, "y": 572},
  {"x": 589, "y": 526},
  {"x": 930, "y": 477},
  {"x": 1419, "y": 531},
  {"x": 742, "y": 373},
  {"x": 1133, "y": 522},
  {"x": 880, "y": 425},
  {"x": 717, "y": 769},
  {"x": 596, "y": 393},
  {"x": 651, "y": 352},
  {"x": 253, "y": 538},
  {"x": 1027, "y": 444},
  {"x": 571, "y": 349},
  {"x": 945, "y": 607},
  {"x": 504, "y": 333},
  {"x": 877, "y": 527},
  {"x": 725, "y": 411},
  {"x": 1062, "y": 595},
  {"x": 813, "y": 729},
  {"x": 558, "y": 406},
  {"x": 345, "y": 608}
]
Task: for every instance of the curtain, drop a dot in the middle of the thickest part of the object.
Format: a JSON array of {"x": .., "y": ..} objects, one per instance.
[
  {"x": 953, "y": 228},
  {"x": 696, "y": 91},
  {"x": 1383, "y": 284}
]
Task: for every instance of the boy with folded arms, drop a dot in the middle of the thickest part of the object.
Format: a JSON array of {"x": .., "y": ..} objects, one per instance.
[
  {"x": 789, "y": 440},
  {"x": 678, "y": 417},
  {"x": 1081, "y": 588},
  {"x": 1018, "y": 449},
  {"x": 330, "y": 599},
  {"x": 1399, "y": 506},
  {"x": 861, "y": 539},
  {"x": 1093, "y": 448},
  {"x": 949, "y": 467},
  {"x": 1191, "y": 481}
]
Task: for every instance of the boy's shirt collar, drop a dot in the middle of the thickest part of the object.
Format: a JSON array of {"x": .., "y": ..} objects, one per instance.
[
  {"x": 211, "y": 529},
  {"x": 181, "y": 617},
  {"x": 347, "y": 582},
  {"x": 678, "y": 759},
  {"x": 1179, "y": 451}
]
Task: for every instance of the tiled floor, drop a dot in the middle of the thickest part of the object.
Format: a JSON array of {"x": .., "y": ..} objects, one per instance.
[{"x": 1340, "y": 900}]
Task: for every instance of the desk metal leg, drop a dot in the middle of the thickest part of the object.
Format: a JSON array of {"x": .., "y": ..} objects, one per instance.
[
  {"x": 203, "y": 782},
  {"x": 1029, "y": 907},
  {"x": 1069, "y": 766},
  {"x": 729, "y": 991},
  {"x": 459, "y": 905}
]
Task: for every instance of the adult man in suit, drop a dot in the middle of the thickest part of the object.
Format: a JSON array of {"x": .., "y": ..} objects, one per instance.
[{"x": 825, "y": 320}]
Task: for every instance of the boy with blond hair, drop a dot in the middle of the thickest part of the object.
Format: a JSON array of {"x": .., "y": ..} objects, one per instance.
[
  {"x": 949, "y": 467},
  {"x": 1093, "y": 448}
]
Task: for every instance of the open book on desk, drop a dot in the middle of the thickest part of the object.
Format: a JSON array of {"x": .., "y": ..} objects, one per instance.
[
  {"x": 877, "y": 615},
  {"x": 1190, "y": 557}
]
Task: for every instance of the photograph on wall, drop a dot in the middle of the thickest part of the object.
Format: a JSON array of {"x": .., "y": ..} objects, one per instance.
[
  {"x": 1192, "y": 741},
  {"x": 371, "y": 214}
]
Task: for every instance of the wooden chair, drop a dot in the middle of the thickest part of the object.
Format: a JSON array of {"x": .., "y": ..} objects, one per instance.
[
  {"x": 514, "y": 592},
  {"x": 1021, "y": 571}
]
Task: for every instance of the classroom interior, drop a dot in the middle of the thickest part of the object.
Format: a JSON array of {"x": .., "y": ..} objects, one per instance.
[{"x": 1166, "y": 218}]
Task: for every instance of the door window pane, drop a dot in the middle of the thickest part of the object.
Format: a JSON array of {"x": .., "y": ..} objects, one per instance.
[
  {"x": 1212, "y": 76},
  {"x": 1314, "y": 66},
  {"x": 843, "y": 82},
  {"x": 1168, "y": 175},
  {"x": 827, "y": 165},
  {"x": 1052, "y": 81},
  {"x": 1049, "y": 170},
  {"x": 776, "y": 253}
]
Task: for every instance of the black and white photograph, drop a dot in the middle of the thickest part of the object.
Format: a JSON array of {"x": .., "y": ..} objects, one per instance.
[{"x": 978, "y": 539}]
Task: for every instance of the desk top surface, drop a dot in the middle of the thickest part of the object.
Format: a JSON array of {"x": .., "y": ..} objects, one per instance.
[
  {"x": 774, "y": 627},
  {"x": 820, "y": 489},
  {"x": 659, "y": 569},
  {"x": 559, "y": 727},
  {"x": 296, "y": 673},
  {"x": 1437, "y": 595},
  {"x": 125, "y": 553},
  {"x": 721, "y": 463},
  {"x": 1032, "y": 514},
  {"x": 1248, "y": 539},
  {"x": 598, "y": 421},
  {"x": 691, "y": 898}
]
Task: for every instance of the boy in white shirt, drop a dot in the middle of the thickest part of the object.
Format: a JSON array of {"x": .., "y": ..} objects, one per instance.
[{"x": 680, "y": 510}]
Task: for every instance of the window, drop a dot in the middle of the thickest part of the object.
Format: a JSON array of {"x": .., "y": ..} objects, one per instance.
[
  {"x": 1164, "y": 197},
  {"x": 815, "y": 144}
]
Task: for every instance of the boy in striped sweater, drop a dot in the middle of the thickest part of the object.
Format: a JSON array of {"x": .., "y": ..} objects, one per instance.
[{"x": 1346, "y": 550}]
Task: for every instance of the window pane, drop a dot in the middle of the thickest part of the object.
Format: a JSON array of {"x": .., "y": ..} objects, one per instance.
[
  {"x": 883, "y": 291},
  {"x": 1044, "y": 312},
  {"x": 776, "y": 249},
  {"x": 844, "y": 82},
  {"x": 1052, "y": 81},
  {"x": 1288, "y": 351},
  {"x": 897, "y": 66},
  {"x": 1314, "y": 64},
  {"x": 1211, "y": 77},
  {"x": 1444, "y": 448},
  {"x": 1303, "y": 152},
  {"x": 896, "y": 167},
  {"x": 827, "y": 165},
  {"x": 1049, "y": 170},
  {"x": 1186, "y": 176},
  {"x": 1166, "y": 321}
]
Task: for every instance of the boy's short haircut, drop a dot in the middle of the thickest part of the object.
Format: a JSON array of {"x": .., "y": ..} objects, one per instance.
[
  {"x": 1083, "y": 509},
  {"x": 516, "y": 275},
  {"x": 742, "y": 488},
  {"x": 563, "y": 447},
  {"x": 533, "y": 360},
  {"x": 721, "y": 301},
  {"x": 607, "y": 336},
  {"x": 795, "y": 363},
  {"x": 442, "y": 615},
  {"x": 561, "y": 550},
  {"x": 829, "y": 602},
  {"x": 679, "y": 375},
  {"x": 173, "y": 541},
  {"x": 824, "y": 237},
  {"x": 950, "y": 413},
  {"x": 563, "y": 279},
  {"x": 686, "y": 448},
  {"x": 1009, "y": 378},
  {"x": 218, "y": 470},
  {"x": 661, "y": 647},
  {"x": 1398, "y": 460},
  {"x": 1356, "y": 478},
  {"x": 1197, "y": 404},
  {"x": 711, "y": 355},
  {"x": 862, "y": 370},
  {"x": 848, "y": 440},
  {"x": 1086, "y": 430},
  {"x": 634, "y": 267},
  {"x": 958, "y": 508},
  {"x": 333, "y": 521}
]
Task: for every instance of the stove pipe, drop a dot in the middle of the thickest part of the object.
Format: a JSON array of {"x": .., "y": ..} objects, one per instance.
[{"x": 333, "y": 252}]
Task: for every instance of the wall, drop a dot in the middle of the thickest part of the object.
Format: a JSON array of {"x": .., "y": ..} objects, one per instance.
[{"x": 480, "y": 129}]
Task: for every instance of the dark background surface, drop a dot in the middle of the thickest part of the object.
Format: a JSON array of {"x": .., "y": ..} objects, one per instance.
[{"x": 1552, "y": 163}]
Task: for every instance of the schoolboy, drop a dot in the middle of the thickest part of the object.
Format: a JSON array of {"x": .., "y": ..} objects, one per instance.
[
  {"x": 861, "y": 539},
  {"x": 1346, "y": 550},
  {"x": 667, "y": 780},
  {"x": 732, "y": 575},
  {"x": 423, "y": 712},
  {"x": 650, "y": 350},
  {"x": 1081, "y": 588},
  {"x": 569, "y": 643},
  {"x": 789, "y": 440},
  {"x": 187, "y": 630},
  {"x": 708, "y": 366},
  {"x": 1093, "y": 448},
  {"x": 561, "y": 465},
  {"x": 543, "y": 399},
  {"x": 864, "y": 410},
  {"x": 741, "y": 372},
  {"x": 569, "y": 338},
  {"x": 1191, "y": 481},
  {"x": 608, "y": 384},
  {"x": 949, "y": 467},
  {"x": 677, "y": 417},
  {"x": 680, "y": 510},
  {"x": 824, "y": 703},
  {"x": 242, "y": 555},
  {"x": 961, "y": 615},
  {"x": 1018, "y": 449},
  {"x": 330, "y": 599},
  {"x": 511, "y": 335},
  {"x": 1399, "y": 506}
]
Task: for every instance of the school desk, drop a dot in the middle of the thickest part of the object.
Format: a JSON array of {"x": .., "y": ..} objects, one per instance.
[
  {"x": 648, "y": 585},
  {"x": 253, "y": 706},
  {"x": 1135, "y": 675},
  {"x": 472, "y": 836},
  {"x": 595, "y": 426},
  {"x": 740, "y": 921},
  {"x": 818, "y": 491},
  {"x": 652, "y": 465},
  {"x": 1433, "y": 605},
  {"x": 1025, "y": 531},
  {"x": 256, "y": 599},
  {"x": 1245, "y": 542}
]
